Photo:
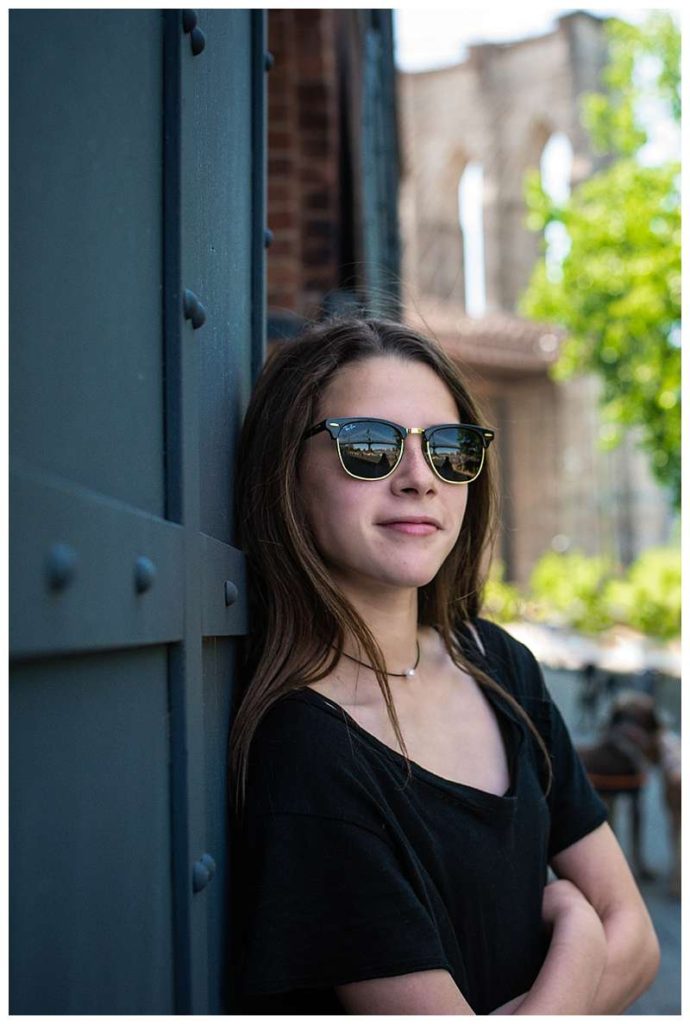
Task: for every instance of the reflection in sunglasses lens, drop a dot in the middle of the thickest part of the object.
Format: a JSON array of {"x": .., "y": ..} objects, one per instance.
[
  {"x": 369, "y": 449},
  {"x": 457, "y": 453}
]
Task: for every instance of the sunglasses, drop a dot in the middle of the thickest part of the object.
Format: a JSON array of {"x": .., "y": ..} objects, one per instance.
[{"x": 371, "y": 449}]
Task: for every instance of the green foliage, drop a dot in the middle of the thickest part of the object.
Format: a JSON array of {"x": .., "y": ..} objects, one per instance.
[
  {"x": 643, "y": 69},
  {"x": 502, "y": 601},
  {"x": 570, "y": 589},
  {"x": 649, "y": 597},
  {"x": 618, "y": 291},
  {"x": 590, "y": 594}
]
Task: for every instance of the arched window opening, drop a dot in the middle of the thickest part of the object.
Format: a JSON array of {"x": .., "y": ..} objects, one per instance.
[
  {"x": 556, "y": 172},
  {"x": 472, "y": 223}
]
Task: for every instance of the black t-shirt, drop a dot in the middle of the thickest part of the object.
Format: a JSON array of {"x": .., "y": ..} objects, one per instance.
[{"x": 350, "y": 870}]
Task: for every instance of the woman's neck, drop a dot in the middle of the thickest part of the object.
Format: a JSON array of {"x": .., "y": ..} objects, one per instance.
[{"x": 392, "y": 618}]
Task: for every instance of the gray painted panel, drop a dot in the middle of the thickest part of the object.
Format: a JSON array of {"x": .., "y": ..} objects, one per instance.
[
  {"x": 90, "y": 899},
  {"x": 217, "y": 186},
  {"x": 220, "y": 562},
  {"x": 85, "y": 245},
  {"x": 99, "y": 787},
  {"x": 217, "y": 244},
  {"x": 101, "y": 607},
  {"x": 219, "y": 672}
]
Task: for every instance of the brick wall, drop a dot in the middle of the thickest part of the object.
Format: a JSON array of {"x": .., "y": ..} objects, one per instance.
[{"x": 303, "y": 159}]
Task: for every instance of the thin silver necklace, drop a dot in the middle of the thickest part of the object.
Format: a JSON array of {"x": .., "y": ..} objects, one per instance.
[{"x": 402, "y": 675}]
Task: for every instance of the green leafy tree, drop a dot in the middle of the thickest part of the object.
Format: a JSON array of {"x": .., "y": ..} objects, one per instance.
[
  {"x": 569, "y": 589},
  {"x": 617, "y": 291},
  {"x": 502, "y": 600},
  {"x": 648, "y": 598}
]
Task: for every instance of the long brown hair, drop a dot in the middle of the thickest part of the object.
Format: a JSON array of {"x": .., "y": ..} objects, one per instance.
[{"x": 297, "y": 614}]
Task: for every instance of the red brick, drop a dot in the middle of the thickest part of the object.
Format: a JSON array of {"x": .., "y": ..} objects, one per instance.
[
  {"x": 278, "y": 138},
  {"x": 310, "y": 66},
  {"x": 284, "y": 275},
  {"x": 316, "y": 172},
  {"x": 314, "y": 122},
  {"x": 292, "y": 207},
  {"x": 317, "y": 199},
  {"x": 283, "y": 109},
  {"x": 282, "y": 299},
  {"x": 316, "y": 285},
  {"x": 282, "y": 246},
  {"x": 317, "y": 147},
  {"x": 318, "y": 228},
  {"x": 281, "y": 191},
  {"x": 315, "y": 253},
  {"x": 313, "y": 94},
  {"x": 278, "y": 221},
  {"x": 281, "y": 166}
]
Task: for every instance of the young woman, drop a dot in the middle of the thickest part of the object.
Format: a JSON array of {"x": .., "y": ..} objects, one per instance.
[{"x": 402, "y": 776}]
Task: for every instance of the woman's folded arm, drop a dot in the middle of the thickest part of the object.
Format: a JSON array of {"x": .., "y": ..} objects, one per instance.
[
  {"x": 566, "y": 984},
  {"x": 597, "y": 866},
  {"x": 423, "y": 992}
]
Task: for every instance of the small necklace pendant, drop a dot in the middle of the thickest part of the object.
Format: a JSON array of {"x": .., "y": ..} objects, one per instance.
[{"x": 410, "y": 672}]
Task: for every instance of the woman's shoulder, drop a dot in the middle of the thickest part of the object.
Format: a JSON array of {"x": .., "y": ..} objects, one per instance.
[
  {"x": 301, "y": 757},
  {"x": 299, "y": 723},
  {"x": 510, "y": 658}
]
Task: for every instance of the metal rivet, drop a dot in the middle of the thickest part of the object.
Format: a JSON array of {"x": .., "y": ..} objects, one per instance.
[
  {"x": 144, "y": 574},
  {"x": 62, "y": 566},
  {"x": 231, "y": 593},
  {"x": 189, "y": 20},
  {"x": 198, "y": 41},
  {"x": 269, "y": 60},
  {"x": 204, "y": 870},
  {"x": 268, "y": 237},
  {"x": 193, "y": 310}
]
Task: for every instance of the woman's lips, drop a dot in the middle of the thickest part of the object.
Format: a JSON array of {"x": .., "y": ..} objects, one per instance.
[{"x": 416, "y": 529}]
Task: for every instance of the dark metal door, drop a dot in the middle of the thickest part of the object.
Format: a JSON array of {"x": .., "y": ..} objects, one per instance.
[{"x": 136, "y": 241}]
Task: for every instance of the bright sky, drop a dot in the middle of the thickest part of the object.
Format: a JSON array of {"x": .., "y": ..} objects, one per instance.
[
  {"x": 427, "y": 38},
  {"x": 430, "y": 38}
]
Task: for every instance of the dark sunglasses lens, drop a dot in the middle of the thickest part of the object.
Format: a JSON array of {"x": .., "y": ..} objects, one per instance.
[
  {"x": 457, "y": 453},
  {"x": 369, "y": 448}
]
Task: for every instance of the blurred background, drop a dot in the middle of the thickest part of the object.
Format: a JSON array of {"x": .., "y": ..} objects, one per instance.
[{"x": 186, "y": 189}]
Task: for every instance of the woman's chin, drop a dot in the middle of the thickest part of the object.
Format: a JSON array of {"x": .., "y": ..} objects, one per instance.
[
  {"x": 411, "y": 576},
  {"x": 385, "y": 574}
]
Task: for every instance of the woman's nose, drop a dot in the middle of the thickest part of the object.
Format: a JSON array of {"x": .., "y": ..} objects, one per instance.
[{"x": 413, "y": 469}]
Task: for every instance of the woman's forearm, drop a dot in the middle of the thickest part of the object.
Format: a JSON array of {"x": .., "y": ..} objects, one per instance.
[
  {"x": 571, "y": 973},
  {"x": 632, "y": 961}
]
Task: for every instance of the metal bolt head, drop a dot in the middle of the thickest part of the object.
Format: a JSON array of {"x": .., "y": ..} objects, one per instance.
[
  {"x": 193, "y": 309},
  {"x": 198, "y": 41},
  {"x": 231, "y": 593},
  {"x": 203, "y": 872},
  {"x": 61, "y": 566},
  {"x": 144, "y": 574},
  {"x": 189, "y": 20}
]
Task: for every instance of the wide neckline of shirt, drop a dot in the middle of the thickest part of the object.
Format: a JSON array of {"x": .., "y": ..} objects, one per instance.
[{"x": 482, "y": 799}]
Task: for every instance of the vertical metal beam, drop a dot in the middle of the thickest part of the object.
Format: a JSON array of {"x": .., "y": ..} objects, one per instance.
[
  {"x": 259, "y": 185},
  {"x": 172, "y": 340},
  {"x": 390, "y": 169},
  {"x": 171, "y": 263}
]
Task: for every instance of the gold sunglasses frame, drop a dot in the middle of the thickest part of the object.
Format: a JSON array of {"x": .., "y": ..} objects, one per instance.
[{"x": 334, "y": 426}]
